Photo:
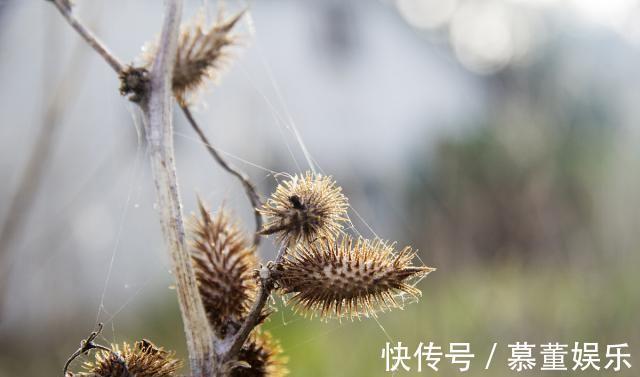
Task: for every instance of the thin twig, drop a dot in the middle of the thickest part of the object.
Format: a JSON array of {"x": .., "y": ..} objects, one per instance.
[
  {"x": 267, "y": 284},
  {"x": 249, "y": 187},
  {"x": 87, "y": 345},
  {"x": 67, "y": 11}
]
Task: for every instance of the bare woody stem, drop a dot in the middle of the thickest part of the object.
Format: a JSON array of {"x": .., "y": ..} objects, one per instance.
[
  {"x": 159, "y": 132},
  {"x": 65, "y": 8},
  {"x": 249, "y": 187},
  {"x": 157, "y": 111}
]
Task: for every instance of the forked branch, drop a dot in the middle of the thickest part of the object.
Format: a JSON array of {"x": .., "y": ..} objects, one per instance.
[{"x": 64, "y": 6}]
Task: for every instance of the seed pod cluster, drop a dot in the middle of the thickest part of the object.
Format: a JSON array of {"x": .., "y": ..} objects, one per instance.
[
  {"x": 143, "y": 359},
  {"x": 224, "y": 262},
  {"x": 305, "y": 208},
  {"x": 326, "y": 272},
  {"x": 349, "y": 278}
]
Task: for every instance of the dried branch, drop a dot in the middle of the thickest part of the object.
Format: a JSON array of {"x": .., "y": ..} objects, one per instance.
[
  {"x": 159, "y": 131},
  {"x": 66, "y": 10},
  {"x": 231, "y": 348},
  {"x": 249, "y": 187},
  {"x": 86, "y": 345},
  {"x": 157, "y": 109}
]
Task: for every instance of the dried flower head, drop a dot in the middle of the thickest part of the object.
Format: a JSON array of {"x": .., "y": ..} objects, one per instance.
[
  {"x": 142, "y": 360},
  {"x": 134, "y": 83},
  {"x": 224, "y": 264},
  {"x": 261, "y": 356},
  {"x": 201, "y": 53},
  {"x": 349, "y": 278},
  {"x": 305, "y": 208}
]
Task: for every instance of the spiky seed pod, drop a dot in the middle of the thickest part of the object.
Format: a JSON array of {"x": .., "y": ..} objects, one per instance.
[
  {"x": 142, "y": 360},
  {"x": 262, "y": 357},
  {"x": 349, "y": 278},
  {"x": 305, "y": 208},
  {"x": 202, "y": 52},
  {"x": 224, "y": 264}
]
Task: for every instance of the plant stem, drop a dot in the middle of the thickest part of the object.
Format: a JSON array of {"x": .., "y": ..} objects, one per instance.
[
  {"x": 159, "y": 134},
  {"x": 66, "y": 10},
  {"x": 233, "y": 347},
  {"x": 159, "y": 131},
  {"x": 249, "y": 187}
]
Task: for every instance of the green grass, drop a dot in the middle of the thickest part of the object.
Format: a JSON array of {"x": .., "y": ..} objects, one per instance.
[
  {"x": 480, "y": 306},
  {"x": 477, "y": 306}
]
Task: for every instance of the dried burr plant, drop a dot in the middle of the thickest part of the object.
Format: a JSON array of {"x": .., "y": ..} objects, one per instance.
[
  {"x": 223, "y": 289},
  {"x": 305, "y": 208},
  {"x": 225, "y": 263},
  {"x": 202, "y": 52},
  {"x": 143, "y": 359},
  {"x": 347, "y": 277}
]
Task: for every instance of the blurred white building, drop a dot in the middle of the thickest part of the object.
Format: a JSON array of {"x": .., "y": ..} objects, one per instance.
[{"x": 352, "y": 81}]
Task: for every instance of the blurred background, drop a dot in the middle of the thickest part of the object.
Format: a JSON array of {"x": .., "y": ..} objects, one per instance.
[{"x": 498, "y": 137}]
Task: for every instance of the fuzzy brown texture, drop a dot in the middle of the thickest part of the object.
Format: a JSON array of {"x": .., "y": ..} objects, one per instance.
[
  {"x": 349, "y": 278},
  {"x": 224, "y": 263},
  {"x": 263, "y": 357},
  {"x": 142, "y": 360},
  {"x": 134, "y": 83},
  {"x": 305, "y": 208},
  {"x": 202, "y": 51}
]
